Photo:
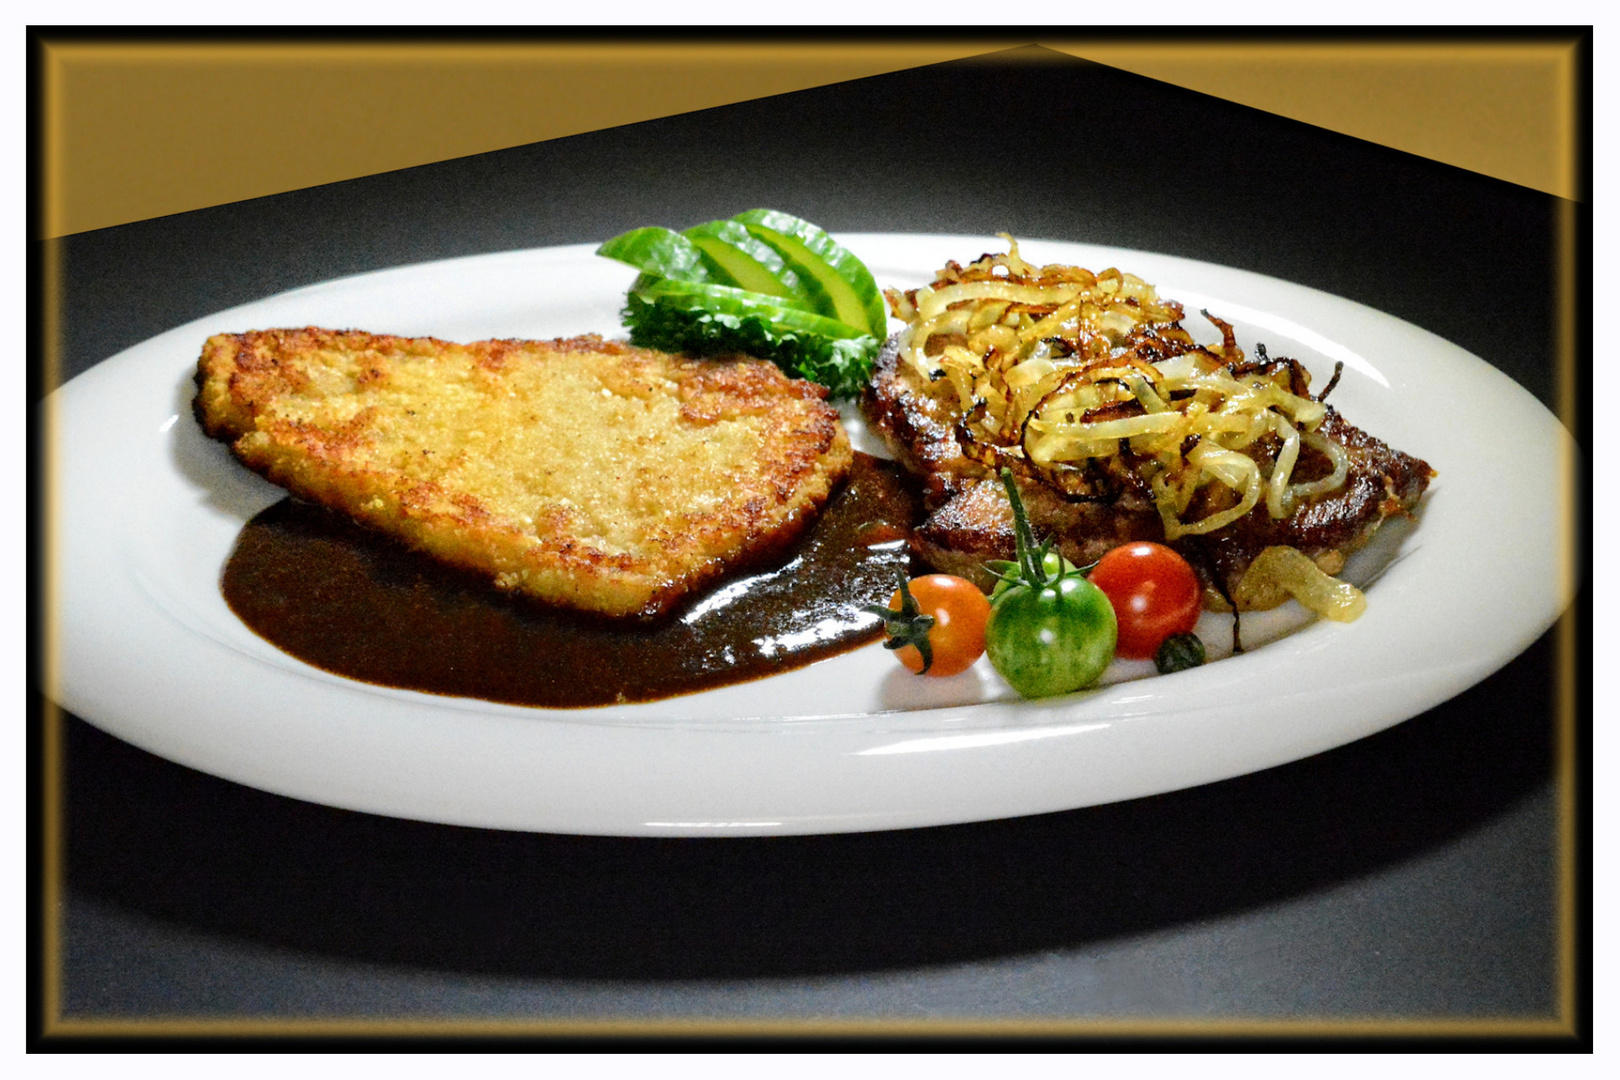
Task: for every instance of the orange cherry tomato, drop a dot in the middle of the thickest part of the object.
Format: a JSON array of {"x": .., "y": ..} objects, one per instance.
[
  {"x": 956, "y": 638},
  {"x": 1154, "y": 591}
]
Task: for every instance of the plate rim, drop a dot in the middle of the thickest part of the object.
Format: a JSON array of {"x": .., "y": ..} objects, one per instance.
[{"x": 1041, "y": 723}]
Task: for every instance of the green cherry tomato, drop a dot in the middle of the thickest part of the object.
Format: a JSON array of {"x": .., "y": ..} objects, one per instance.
[
  {"x": 1051, "y": 631},
  {"x": 1051, "y": 640}
]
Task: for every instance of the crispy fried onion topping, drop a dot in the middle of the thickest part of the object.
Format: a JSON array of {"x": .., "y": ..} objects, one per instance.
[{"x": 1090, "y": 381}]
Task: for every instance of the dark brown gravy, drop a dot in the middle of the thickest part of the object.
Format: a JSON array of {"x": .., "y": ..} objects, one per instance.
[{"x": 358, "y": 604}]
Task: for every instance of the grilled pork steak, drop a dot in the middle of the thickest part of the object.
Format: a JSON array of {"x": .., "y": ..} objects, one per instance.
[{"x": 971, "y": 520}]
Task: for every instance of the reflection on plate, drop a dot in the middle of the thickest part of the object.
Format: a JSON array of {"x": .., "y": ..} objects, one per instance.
[{"x": 149, "y": 508}]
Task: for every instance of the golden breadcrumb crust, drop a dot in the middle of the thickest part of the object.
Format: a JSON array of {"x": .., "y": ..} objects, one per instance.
[{"x": 582, "y": 472}]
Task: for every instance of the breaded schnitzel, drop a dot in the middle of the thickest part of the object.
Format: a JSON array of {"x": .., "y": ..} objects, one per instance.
[{"x": 581, "y": 472}]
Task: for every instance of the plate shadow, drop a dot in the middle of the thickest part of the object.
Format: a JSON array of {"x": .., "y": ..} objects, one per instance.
[{"x": 157, "y": 838}]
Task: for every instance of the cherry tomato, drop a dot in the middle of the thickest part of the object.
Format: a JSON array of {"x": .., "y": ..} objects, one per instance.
[
  {"x": 1051, "y": 631},
  {"x": 1155, "y": 594},
  {"x": 955, "y": 636},
  {"x": 1051, "y": 638}
]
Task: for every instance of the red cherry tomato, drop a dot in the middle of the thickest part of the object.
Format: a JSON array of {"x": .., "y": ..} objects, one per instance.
[
  {"x": 956, "y": 638},
  {"x": 1155, "y": 593}
]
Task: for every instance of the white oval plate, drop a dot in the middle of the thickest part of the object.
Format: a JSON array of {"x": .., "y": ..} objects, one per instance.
[{"x": 148, "y": 509}]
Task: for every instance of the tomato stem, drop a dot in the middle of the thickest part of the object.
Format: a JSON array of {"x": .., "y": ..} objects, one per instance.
[
  {"x": 908, "y": 626},
  {"x": 1030, "y": 557}
]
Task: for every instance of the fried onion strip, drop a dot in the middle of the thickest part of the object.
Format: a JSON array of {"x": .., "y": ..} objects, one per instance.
[{"x": 1090, "y": 381}]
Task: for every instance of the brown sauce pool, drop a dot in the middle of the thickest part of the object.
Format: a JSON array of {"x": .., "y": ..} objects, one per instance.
[{"x": 358, "y": 604}]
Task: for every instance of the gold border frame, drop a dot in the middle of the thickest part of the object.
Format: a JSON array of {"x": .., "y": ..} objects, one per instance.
[
  {"x": 1567, "y": 121},
  {"x": 119, "y": 115}
]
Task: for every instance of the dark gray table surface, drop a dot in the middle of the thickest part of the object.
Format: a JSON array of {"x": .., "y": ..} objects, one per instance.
[{"x": 1414, "y": 874}]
